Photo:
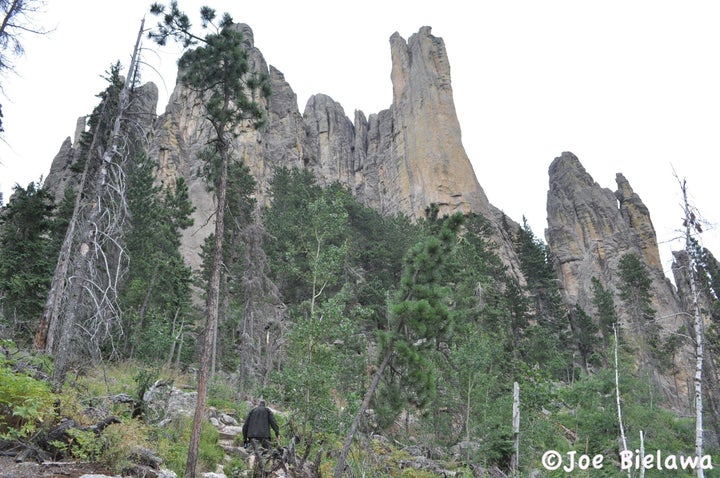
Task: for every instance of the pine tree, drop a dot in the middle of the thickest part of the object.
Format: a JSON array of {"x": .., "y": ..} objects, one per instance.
[
  {"x": 606, "y": 313},
  {"x": 219, "y": 72},
  {"x": 26, "y": 249},
  {"x": 239, "y": 210},
  {"x": 418, "y": 318},
  {"x": 157, "y": 289},
  {"x": 635, "y": 292},
  {"x": 548, "y": 340}
]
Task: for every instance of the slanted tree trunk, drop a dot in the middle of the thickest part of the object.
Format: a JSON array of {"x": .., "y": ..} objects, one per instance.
[
  {"x": 59, "y": 320},
  {"x": 342, "y": 460}
]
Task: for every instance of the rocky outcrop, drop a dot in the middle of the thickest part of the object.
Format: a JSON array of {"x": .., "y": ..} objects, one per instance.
[
  {"x": 408, "y": 156},
  {"x": 590, "y": 228},
  {"x": 396, "y": 161},
  {"x": 66, "y": 168}
]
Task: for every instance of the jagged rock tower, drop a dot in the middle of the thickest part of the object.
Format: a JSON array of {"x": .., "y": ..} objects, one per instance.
[
  {"x": 590, "y": 229},
  {"x": 396, "y": 161}
]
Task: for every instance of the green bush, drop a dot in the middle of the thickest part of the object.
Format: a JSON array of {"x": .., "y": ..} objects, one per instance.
[
  {"x": 25, "y": 403},
  {"x": 119, "y": 440},
  {"x": 172, "y": 445}
]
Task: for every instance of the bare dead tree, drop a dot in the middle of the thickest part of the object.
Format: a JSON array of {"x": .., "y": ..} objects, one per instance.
[
  {"x": 691, "y": 224},
  {"x": 617, "y": 394},
  {"x": 17, "y": 19},
  {"x": 83, "y": 298}
]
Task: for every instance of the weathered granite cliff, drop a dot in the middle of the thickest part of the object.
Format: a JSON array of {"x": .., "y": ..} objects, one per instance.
[
  {"x": 397, "y": 161},
  {"x": 590, "y": 229}
]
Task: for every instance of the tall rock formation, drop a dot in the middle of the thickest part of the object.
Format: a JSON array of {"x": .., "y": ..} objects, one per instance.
[
  {"x": 408, "y": 156},
  {"x": 396, "y": 161},
  {"x": 590, "y": 229}
]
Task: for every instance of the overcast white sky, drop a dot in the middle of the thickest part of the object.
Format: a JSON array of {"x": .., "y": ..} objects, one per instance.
[{"x": 628, "y": 86}]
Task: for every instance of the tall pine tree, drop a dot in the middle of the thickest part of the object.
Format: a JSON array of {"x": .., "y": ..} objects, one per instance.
[{"x": 218, "y": 71}]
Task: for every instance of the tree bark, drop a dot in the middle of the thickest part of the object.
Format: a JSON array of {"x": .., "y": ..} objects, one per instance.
[
  {"x": 515, "y": 461},
  {"x": 617, "y": 395},
  {"x": 52, "y": 326},
  {"x": 690, "y": 223},
  {"x": 212, "y": 312}
]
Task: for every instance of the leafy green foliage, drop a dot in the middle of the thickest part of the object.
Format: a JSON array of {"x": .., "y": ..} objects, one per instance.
[
  {"x": 331, "y": 258},
  {"x": 171, "y": 442},
  {"x": 26, "y": 404}
]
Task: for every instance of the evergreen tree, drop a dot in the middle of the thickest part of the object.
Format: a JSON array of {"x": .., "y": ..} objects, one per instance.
[
  {"x": 606, "y": 313},
  {"x": 219, "y": 72},
  {"x": 239, "y": 208},
  {"x": 585, "y": 332},
  {"x": 418, "y": 319},
  {"x": 635, "y": 287},
  {"x": 635, "y": 283},
  {"x": 26, "y": 251},
  {"x": 157, "y": 290},
  {"x": 473, "y": 401},
  {"x": 547, "y": 341}
]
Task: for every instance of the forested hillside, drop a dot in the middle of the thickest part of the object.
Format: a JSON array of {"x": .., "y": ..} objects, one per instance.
[{"x": 389, "y": 344}]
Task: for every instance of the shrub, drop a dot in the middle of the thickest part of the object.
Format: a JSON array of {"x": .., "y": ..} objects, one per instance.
[
  {"x": 119, "y": 440},
  {"x": 171, "y": 443},
  {"x": 25, "y": 403}
]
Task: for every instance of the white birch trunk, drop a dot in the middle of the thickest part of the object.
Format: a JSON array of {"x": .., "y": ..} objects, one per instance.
[
  {"x": 617, "y": 396},
  {"x": 515, "y": 462},
  {"x": 690, "y": 223}
]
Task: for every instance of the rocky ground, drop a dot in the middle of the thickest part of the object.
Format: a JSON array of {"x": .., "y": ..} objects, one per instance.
[
  {"x": 164, "y": 402},
  {"x": 71, "y": 469}
]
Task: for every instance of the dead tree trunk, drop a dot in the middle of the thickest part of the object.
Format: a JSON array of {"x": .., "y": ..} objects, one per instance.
[
  {"x": 515, "y": 460},
  {"x": 617, "y": 394},
  {"x": 81, "y": 268},
  {"x": 690, "y": 223}
]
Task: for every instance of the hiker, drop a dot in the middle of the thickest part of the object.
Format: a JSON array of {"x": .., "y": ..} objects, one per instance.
[{"x": 257, "y": 426}]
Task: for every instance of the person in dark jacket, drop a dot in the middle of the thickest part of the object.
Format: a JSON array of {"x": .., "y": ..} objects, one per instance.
[{"x": 257, "y": 426}]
